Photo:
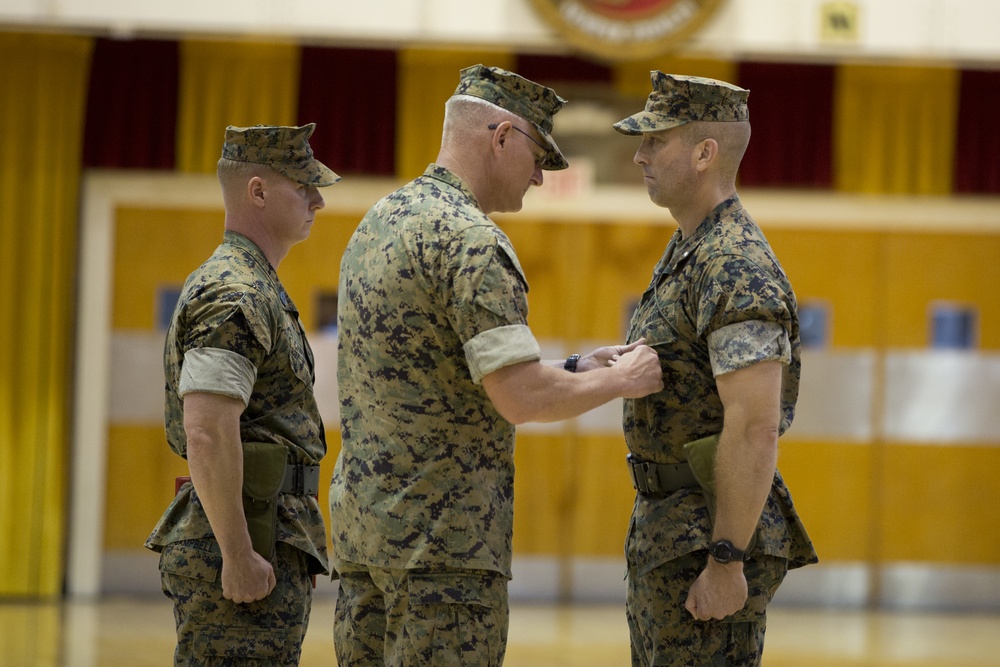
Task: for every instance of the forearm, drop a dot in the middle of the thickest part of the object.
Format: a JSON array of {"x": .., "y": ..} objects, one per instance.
[
  {"x": 533, "y": 391},
  {"x": 217, "y": 476},
  {"x": 747, "y": 454},
  {"x": 553, "y": 394},
  {"x": 744, "y": 468},
  {"x": 215, "y": 460}
]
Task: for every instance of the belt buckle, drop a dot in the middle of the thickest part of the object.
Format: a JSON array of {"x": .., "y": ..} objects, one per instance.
[
  {"x": 644, "y": 475},
  {"x": 633, "y": 463}
]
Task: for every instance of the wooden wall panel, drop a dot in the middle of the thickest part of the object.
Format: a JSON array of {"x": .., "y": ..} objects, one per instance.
[
  {"x": 939, "y": 504},
  {"x": 141, "y": 472},
  {"x": 841, "y": 268},
  {"x": 157, "y": 248},
  {"x": 831, "y": 485},
  {"x": 922, "y": 268},
  {"x": 539, "y": 491}
]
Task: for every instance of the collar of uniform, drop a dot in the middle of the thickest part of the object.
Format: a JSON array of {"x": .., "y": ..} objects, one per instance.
[
  {"x": 244, "y": 243},
  {"x": 253, "y": 250},
  {"x": 445, "y": 175},
  {"x": 679, "y": 249},
  {"x": 725, "y": 209}
]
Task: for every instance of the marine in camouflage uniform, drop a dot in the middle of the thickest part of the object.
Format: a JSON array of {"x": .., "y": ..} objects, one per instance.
[
  {"x": 433, "y": 307},
  {"x": 236, "y": 333},
  {"x": 718, "y": 303},
  {"x": 425, "y": 478}
]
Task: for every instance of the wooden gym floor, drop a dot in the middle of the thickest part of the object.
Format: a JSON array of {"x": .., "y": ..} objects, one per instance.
[{"x": 138, "y": 631}]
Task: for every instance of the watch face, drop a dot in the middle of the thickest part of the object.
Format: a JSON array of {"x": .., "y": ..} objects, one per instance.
[{"x": 723, "y": 551}]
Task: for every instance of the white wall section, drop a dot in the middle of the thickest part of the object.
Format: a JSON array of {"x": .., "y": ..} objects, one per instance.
[{"x": 925, "y": 29}]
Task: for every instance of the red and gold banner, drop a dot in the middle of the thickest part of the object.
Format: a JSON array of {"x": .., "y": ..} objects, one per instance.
[{"x": 625, "y": 29}]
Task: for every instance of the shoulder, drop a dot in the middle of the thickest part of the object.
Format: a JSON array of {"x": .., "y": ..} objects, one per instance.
[
  {"x": 227, "y": 280},
  {"x": 232, "y": 288},
  {"x": 429, "y": 208},
  {"x": 737, "y": 244}
]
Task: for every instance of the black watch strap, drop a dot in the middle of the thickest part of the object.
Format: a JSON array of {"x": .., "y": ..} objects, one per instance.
[{"x": 571, "y": 362}]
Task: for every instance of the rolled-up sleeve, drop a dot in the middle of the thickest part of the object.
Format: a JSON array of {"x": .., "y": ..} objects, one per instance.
[
  {"x": 217, "y": 371},
  {"x": 746, "y": 343},
  {"x": 500, "y": 347}
]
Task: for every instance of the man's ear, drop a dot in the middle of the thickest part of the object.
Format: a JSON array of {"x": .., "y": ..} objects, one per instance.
[
  {"x": 256, "y": 188},
  {"x": 501, "y": 133},
  {"x": 705, "y": 153}
]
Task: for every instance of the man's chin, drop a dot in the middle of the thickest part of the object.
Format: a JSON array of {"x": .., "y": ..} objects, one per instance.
[
  {"x": 511, "y": 208},
  {"x": 654, "y": 194}
]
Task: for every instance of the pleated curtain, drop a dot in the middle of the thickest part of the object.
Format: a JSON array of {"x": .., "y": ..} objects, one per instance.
[
  {"x": 231, "y": 83},
  {"x": 894, "y": 129},
  {"x": 43, "y": 89}
]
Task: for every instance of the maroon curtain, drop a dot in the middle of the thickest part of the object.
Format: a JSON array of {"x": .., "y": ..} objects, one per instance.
[
  {"x": 551, "y": 70},
  {"x": 351, "y": 96},
  {"x": 977, "y": 144},
  {"x": 791, "y": 112},
  {"x": 132, "y": 105}
]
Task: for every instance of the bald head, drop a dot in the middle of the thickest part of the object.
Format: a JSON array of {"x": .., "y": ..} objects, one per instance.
[{"x": 466, "y": 120}]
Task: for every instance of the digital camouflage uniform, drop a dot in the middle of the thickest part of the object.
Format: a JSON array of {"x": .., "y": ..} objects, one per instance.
[
  {"x": 235, "y": 331},
  {"x": 718, "y": 301},
  {"x": 432, "y": 298}
]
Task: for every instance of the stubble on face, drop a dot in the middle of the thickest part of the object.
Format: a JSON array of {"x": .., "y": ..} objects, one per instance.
[{"x": 666, "y": 167}]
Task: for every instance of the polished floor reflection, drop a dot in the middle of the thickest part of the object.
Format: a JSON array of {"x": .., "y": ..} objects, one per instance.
[{"x": 133, "y": 632}]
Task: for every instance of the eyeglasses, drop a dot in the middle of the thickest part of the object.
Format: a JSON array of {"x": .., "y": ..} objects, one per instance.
[{"x": 493, "y": 126}]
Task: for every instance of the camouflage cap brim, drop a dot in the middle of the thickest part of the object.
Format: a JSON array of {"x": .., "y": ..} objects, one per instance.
[
  {"x": 312, "y": 172},
  {"x": 554, "y": 159},
  {"x": 647, "y": 121}
]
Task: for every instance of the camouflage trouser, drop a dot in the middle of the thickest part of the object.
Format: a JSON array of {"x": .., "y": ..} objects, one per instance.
[
  {"x": 664, "y": 634},
  {"x": 213, "y": 631},
  {"x": 391, "y": 618}
]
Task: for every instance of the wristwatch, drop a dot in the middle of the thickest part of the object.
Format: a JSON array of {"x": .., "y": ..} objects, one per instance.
[
  {"x": 571, "y": 362},
  {"x": 724, "y": 552}
]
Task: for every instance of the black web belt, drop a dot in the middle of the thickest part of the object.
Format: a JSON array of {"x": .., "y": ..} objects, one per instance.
[
  {"x": 659, "y": 480},
  {"x": 301, "y": 480}
]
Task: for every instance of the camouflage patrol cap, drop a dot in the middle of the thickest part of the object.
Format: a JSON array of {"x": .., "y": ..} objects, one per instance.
[
  {"x": 677, "y": 99},
  {"x": 531, "y": 101},
  {"x": 284, "y": 149}
]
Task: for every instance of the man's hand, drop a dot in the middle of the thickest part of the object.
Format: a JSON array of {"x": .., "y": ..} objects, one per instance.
[
  {"x": 247, "y": 577},
  {"x": 605, "y": 356},
  {"x": 535, "y": 392},
  {"x": 719, "y": 591},
  {"x": 640, "y": 365},
  {"x": 637, "y": 361}
]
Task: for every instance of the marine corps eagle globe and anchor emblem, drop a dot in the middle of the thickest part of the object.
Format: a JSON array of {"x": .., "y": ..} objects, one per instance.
[{"x": 625, "y": 29}]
